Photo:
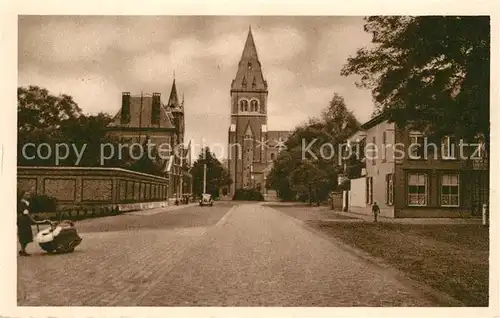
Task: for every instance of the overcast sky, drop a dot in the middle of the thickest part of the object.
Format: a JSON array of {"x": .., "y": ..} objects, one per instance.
[{"x": 94, "y": 59}]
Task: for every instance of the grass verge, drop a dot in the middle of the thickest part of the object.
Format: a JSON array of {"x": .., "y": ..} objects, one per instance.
[{"x": 451, "y": 258}]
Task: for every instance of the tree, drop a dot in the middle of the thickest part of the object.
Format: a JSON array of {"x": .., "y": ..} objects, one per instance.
[
  {"x": 431, "y": 72},
  {"x": 41, "y": 114},
  {"x": 58, "y": 122},
  {"x": 148, "y": 162},
  {"x": 339, "y": 122},
  {"x": 216, "y": 176},
  {"x": 278, "y": 176},
  {"x": 316, "y": 142},
  {"x": 309, "y": 178},
  {"x": 89, "y": 131}
]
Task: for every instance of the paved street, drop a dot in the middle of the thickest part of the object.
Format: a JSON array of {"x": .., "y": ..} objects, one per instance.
[{"x": 226, "y": 255}]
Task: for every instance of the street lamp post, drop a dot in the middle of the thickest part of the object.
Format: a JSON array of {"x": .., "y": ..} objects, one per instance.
[{"x": 204, "y": 178}]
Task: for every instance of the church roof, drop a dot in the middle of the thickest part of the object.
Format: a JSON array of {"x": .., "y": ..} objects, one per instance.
[
  {"x": 249, "y": 76},
  {"x": 173, "y": 100}
]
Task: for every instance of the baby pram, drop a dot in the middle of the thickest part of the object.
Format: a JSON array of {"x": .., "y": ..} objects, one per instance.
[{"x": 61, "y": 237}]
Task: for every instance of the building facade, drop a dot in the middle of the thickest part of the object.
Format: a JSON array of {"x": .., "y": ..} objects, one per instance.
[
  {"x": 144, "y": 118},
  {"x": 409, "y": 176},
  {"x": 252, "y": 147}
]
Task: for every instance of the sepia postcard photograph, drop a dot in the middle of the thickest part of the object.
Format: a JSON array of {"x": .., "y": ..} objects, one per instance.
[{"x": 251, "y": 161}]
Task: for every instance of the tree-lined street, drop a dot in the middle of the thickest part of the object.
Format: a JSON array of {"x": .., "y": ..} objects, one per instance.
[
  {"x": 332, "y": 166},
  {"x": 226, "y": 255}
]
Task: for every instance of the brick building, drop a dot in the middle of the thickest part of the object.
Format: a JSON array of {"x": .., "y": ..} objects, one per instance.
[
  {"x": 408, "y": 176},
  {"x": 252, "y": 147},
  {"x": 145, "y": 117}
]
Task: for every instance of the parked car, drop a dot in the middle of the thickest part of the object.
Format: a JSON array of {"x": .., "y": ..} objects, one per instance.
[{"x": 206, "y": 199}]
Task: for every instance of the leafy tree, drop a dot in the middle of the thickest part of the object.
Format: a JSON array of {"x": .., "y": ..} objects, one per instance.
[
  {"x": 278, "y": 177},
  {"x": 89, "y": 131},
  {"x": 59, "y": 122},
  {"x": 41, "y": 114},
  {"x": 216, "y": 176},
  {"x": 429, "y": 71},
  {"x": 149, "y": 161},
  {"x": 316, "y": 143},
  {"x": 308, "y": 178}
]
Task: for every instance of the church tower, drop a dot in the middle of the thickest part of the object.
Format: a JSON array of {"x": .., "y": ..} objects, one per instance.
[
  {"x": 177, "y": 110},
  {"x": 248, "y": 129}
]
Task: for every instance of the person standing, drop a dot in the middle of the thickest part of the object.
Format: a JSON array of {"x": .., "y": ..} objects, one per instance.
[
  {"x": 24, "y": 222},
  {"x": 375, "y": 211}
]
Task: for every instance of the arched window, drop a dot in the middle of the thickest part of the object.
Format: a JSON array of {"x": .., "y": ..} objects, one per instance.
[
  {"x": 254, "y": 106},
  {"x": 244, "y": 105},
  {"x": 272, "y": 156}
]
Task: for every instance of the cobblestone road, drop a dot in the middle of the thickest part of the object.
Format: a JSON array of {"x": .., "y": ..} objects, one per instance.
[{"x": 249, "y": 255}]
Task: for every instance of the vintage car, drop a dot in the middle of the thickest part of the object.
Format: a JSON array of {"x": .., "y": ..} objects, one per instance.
[{"x": 206, "y": 199}]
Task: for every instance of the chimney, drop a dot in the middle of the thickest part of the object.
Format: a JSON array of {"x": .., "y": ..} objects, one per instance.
[
  {"x": 125, "y": 114},
  {"x": 156, "y": 107}
]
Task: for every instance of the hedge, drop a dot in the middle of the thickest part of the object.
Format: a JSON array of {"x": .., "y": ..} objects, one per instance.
[{"x": 248, "y": 195}]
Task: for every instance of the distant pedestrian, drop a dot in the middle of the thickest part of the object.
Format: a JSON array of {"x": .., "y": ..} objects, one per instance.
[
  {"x": 24, "y": 222},
  {"x": 375, "y": 211}
]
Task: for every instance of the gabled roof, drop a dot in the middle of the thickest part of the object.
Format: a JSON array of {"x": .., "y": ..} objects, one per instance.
[
  {"x": 377, "y": 120},
  {"x": 360, "y": 134},
  {"x": 249, "y": 76},
  {"x": 248, "y": 130}
]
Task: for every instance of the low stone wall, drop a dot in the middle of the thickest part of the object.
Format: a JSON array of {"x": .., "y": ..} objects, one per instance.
[{"x": 85, "y": 186}]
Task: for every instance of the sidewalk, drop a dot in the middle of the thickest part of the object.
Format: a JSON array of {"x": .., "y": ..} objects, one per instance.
[
  {"x": 369, "y": 218},
  {"x": 154, "y": 211}
]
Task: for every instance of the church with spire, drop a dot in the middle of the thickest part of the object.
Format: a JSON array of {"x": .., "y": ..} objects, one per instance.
[
  {"x": 145, "y": 117},
  {"x": 252, "y": 146}
]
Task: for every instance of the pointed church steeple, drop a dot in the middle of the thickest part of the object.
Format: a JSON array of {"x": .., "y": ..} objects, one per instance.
[
  {"x": 249, "y": 67},
  {"x": 173, "y": 100},
  {"x": 250, "y": 50}
]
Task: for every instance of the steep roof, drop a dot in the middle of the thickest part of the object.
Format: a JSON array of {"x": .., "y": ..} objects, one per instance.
[
  {"x": 173, "y": 100},
  {"x": 249, "y": 76},
  {"x": 140, "y": 114}
]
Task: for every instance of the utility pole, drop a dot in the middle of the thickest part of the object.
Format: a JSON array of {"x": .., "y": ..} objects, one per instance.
[
  {"x": 204, "y": 178},
  {"x": 140, "y": 120}
]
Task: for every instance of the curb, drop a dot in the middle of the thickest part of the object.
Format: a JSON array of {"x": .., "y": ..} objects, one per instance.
[{"x": 171, "y": 208}]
